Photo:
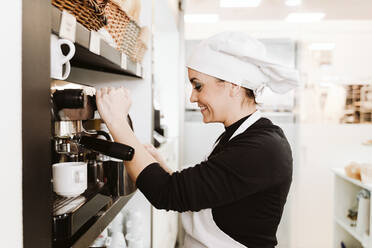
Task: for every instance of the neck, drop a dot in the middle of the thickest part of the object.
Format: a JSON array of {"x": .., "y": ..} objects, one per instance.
[{"x": 234, "y": 116}]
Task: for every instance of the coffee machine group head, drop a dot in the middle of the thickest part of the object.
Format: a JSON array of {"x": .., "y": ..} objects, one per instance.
[{"x": 70, "y": 107}]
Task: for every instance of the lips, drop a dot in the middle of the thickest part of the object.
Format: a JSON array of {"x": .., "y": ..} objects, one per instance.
[{"x": 202, "y": 108}]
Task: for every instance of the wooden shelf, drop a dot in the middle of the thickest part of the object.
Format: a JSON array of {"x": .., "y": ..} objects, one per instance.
[
  {"x": 341, "y": 173},
  {"x": 99, "y": 56}
]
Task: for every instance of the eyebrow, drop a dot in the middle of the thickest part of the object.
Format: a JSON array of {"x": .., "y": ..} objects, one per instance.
[{"x": 192, "y": 80}]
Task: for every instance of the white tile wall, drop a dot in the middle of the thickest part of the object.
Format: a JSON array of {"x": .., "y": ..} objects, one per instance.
[{"x": 11, "y": 125}]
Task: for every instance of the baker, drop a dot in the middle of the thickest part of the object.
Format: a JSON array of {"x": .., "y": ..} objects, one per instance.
[{"x": 234, "y": 198}]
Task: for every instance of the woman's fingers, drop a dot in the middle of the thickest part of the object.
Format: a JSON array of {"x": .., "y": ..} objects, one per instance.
[
  {"x": 113, "y": 103},
  {"x": 150, "y": 148},
  {"x": 103, "y": 91},
  {"x": 111, "y": 90},
  {"x": 147, "y": 146},
  {"x": 98, "y": 93}
]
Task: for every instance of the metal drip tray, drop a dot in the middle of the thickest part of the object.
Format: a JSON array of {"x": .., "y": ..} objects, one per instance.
[
  {"x": 64, "y": 205},
  {"x": 70, "y": 214}
]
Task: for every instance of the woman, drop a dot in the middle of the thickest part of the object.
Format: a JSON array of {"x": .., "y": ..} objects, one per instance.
[{"x": 235, "y": 197}]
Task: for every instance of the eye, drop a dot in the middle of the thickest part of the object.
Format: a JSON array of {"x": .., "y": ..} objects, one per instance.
[{"x": 197, "y": 86}]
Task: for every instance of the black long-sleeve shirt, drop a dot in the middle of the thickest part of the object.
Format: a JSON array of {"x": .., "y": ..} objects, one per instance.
[{"x": 245, "y": 182}]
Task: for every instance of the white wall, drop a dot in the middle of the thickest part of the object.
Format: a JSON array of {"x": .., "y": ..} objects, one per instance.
[
  {"x": 166, "y": 66},
  {"x": 11, "y": 124},
  {"x": 198, "y": 140},
  {"x": 168, "y": 95}
]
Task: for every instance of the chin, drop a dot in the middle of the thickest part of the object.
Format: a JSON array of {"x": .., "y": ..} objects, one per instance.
[{"x": 208, "y": 120}]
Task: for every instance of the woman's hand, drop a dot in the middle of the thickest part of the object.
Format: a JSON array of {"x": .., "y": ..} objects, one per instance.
[
  {"x": 113, "y": 104},
  {"x": 152, "y": 150},
  {"x": 156, "y": 155}
]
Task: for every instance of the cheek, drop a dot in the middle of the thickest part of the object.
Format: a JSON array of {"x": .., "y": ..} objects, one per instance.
[
  {"x": 214, "y": 104},
  {"x": 203, "y": 98},
  {"x": 214, "y": 99},
  {"x": 219, "y": 105}
]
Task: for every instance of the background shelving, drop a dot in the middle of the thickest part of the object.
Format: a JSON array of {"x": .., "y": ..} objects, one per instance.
[
  {"x": 350, "y": 230},
  {"x": 345, "y": 192},
  {"x": 341, "y": 173}
]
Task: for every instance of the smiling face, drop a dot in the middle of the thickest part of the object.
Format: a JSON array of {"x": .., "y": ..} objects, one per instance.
[{"x": 212, "y": 96}]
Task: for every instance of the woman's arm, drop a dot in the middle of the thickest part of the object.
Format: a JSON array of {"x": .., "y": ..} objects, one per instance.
[
  {"x": 113, "y": 105},
  {"x": 246, "y": 166}
]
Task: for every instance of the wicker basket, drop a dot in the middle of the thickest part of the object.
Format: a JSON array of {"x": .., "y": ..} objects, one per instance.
[
  {"x": 125, "y": 32},
  {"x": 140, "y": 47},
  {"x": 90, "y": 13},
  {"x": 131, "y": 34},
  {"x": 117, "y": 22}
]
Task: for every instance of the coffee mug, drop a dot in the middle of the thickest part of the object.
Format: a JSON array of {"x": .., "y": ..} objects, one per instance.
[
  {"x": 57, "y": 60},
  {"x": 69, "y": 178}
]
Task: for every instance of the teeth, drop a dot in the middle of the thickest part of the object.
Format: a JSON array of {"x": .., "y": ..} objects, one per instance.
[{"x": 202, "y": 107}]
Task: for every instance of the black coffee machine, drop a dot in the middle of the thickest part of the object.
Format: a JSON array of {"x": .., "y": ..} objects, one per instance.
[{"x": 73, "y": 109}]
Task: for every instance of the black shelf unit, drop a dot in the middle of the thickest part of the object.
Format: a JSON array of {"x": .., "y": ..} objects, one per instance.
[
  {"x": 36, "y": 129},
  {"x": 36, "y": 126},
  {"x": 109, "y": 59}
]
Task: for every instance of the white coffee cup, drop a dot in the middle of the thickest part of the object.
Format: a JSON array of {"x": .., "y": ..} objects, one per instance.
[
  {"x": 57, "y": 60},
  {"x": 70, "y": 178}
]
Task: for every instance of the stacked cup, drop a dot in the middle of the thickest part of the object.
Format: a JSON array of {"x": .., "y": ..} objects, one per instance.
[
  {"x": 116, "y": 232},
  {"x": 134, "y": 230}
]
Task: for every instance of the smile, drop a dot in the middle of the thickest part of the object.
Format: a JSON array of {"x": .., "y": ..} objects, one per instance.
[{"x": 202, "y": 108}]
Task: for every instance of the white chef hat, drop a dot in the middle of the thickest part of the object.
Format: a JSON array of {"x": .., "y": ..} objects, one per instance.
[{"x": 240, "y": 59}]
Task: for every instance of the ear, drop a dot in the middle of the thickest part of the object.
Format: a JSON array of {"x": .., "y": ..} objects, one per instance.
[{"x": 234, "y": 89}]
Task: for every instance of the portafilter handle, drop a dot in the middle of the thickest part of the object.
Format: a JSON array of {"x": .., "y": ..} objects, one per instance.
[{"x": 108, "y": 148}]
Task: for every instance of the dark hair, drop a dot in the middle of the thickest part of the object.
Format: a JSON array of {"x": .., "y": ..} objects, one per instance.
[{"x": 249, "y": 93}]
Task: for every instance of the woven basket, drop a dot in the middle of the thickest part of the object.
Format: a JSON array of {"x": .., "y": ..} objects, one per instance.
[
  {"x": 139, "y": 49},
  {"x": 125, "y": 32},
  {"x": 117, "y": 22},
  {"x": 131, "y": 34},
  {"x": 90, "y": 13}
]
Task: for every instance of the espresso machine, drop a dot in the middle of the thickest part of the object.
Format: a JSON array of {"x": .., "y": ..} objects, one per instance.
[{"x": 76, "y": 137}]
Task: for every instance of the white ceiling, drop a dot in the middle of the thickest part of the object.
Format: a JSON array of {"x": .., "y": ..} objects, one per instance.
[{"x": 277, "y": 10}]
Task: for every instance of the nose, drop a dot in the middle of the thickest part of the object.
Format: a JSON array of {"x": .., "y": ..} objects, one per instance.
[{"x": 193, "y": 97}]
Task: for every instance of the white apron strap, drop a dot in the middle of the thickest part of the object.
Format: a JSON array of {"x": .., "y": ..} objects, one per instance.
[{"x": 247, "y": 123}]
